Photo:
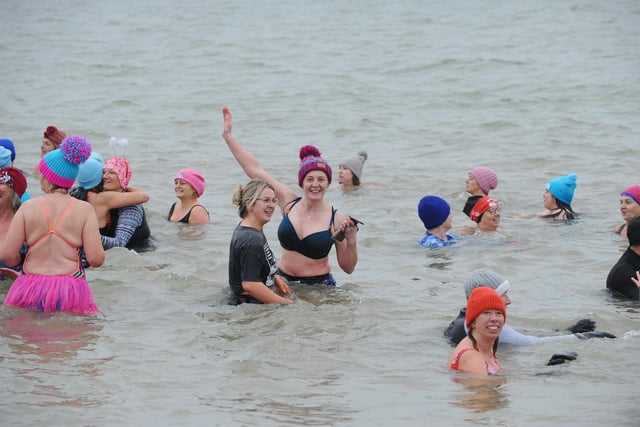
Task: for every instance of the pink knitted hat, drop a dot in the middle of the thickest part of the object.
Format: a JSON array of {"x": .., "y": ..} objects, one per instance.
[
  {"x": 487, "y": 178},
  {"x": 194, "y": 178},
  {"x": 122, "y": 168},
  {"x": 311, "y": 160},
  {"x": 632, "y": 192}
]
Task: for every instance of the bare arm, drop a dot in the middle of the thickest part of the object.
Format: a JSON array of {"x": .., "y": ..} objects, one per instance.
[
  {"x": 199, "y": 215},
  {"x": 250, "y": 165},
  {"x": 347, "y": 250},
  {"x": 263, "y": 294},
  {"x": 13, "y": 240},
  {"x": 91, "y": 243},
  {"x": 115, "y": 199}
]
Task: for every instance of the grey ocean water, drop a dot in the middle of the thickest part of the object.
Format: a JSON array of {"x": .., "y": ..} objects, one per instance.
[{"x": 430, "y": 89}]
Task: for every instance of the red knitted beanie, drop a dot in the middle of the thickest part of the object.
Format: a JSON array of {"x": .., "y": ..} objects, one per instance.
[{"x": 483, "y": 299}]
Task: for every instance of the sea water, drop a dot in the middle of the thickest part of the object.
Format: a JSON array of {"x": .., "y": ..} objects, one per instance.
[{"x": 534, "y": 90}]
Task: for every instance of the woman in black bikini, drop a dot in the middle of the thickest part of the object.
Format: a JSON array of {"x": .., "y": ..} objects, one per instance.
[
  {"x": 189, "y": 185},
  {"x": 309, "y": 221}
]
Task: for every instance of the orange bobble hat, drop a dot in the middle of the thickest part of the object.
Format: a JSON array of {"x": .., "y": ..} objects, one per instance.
[{"x": 481, "y": 300}]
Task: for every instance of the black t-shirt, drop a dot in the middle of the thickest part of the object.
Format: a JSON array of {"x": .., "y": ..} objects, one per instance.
[
  {"x": 619, "y": 278},
  {"x": 455, "y": 332},
  {"x": 250, "y": 259}
]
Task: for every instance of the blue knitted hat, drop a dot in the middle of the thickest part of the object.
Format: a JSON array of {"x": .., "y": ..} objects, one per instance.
[
  {"x": 562, "y": 188},
  {"x": 433, "y": 211},
  {"x": 5, "y": 157},
  {"x": 60, "y": 166},
  {"x": 90, "y": 174},
  {"x": 8, "y": 144}
]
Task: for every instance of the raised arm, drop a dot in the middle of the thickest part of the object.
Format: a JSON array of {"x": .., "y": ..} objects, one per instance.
[{"x": 250, "y": 165}]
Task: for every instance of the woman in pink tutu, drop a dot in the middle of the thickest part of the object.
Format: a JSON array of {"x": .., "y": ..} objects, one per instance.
[{"x": 56, "y": 228}]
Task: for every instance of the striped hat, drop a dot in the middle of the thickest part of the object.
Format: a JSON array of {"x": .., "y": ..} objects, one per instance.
[{"x": 60, "y": 166}]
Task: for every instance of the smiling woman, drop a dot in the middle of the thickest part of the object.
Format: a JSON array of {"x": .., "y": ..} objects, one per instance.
[
  {"x": 309, "y": 221},
  {"x": 252, "y": 264},
  {"x": 188, "y": 186}
]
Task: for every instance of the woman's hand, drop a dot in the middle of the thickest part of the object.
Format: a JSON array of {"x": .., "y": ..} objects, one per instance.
[
  {"x": 228, "y": 123},
  {"x": 281, "y": 284},
  {"x": 636, "y": 279}
]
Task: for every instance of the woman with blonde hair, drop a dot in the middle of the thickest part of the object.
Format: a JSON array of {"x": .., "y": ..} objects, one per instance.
[{"x": 252, "y": 265}]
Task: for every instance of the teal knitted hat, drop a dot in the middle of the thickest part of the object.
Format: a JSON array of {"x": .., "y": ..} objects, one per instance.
[
  {"x": 60, "y": 167},
  {"x": 562, "y": 188},
  {"x": 5, "y": 157},
  {"x": 90, "y": 174}
]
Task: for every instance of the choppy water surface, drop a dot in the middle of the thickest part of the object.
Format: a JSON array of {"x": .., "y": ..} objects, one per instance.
[{"x": 429, "y": 90}]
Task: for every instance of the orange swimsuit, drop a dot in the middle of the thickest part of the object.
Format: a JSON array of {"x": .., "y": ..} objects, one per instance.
[{"x": 53, "y": 231}]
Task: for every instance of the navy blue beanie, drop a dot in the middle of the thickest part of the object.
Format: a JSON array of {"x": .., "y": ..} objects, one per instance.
[{"x": 433, "y": 211}]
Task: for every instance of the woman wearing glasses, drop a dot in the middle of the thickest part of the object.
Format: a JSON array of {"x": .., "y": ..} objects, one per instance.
[
  {"x": 252, "y": 264},
  {"x": 486, "y": 213}
]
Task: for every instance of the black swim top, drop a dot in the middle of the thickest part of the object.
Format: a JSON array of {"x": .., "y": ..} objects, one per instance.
[{"x": 314, "y": 246}]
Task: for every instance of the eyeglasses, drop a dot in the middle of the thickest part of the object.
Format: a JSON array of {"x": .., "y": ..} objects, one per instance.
[
  {"x": 268, "y": 200},
  {"x": 494, "y": 211}
]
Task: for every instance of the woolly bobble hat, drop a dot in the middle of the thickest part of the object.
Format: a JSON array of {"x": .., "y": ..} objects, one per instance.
[
  {"x": 122, "y": 168},
  {"x": 5, "y": 157},
  {"x": 194, "y": 178},
  {"x": 488, "y": 278},
  {"x": 481, "y": 206},
  {"x": 14, "y": 178},
  {"x": 562, "y": 188},
  {"x": 487, "y": 178},
  {"x": 355, "y": 164},
  {"x": 482, "y": 299},
  {"x": 632, "y": 192},
  {"x": 90, "y": 174},
  {"x": 311, "y": 160},
  {"x": 97, "y": 156},
  {"x": 54, "y": 135},
  {"x": 8, "y": 144},
  {"x": 433, "y": 211},
  {"x": 60, "y": 166}
]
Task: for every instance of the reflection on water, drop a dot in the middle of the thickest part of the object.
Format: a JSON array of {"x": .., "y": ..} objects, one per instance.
[
  {"x": 44, "y": 349},
  {"x": 481, "y": 394},
  {"x": 49, "y": 336}
]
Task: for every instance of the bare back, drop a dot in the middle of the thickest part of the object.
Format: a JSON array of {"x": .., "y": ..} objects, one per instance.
[{"x": 55, "y": 227}]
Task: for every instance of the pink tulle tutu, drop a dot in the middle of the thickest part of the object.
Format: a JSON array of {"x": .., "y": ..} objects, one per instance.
[{"x": 52, "y": 293}]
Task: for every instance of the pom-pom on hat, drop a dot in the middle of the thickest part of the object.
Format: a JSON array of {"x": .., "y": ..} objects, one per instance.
[
  {"x": 433, "y": 211},
  {"x": 562, "y": 188},
  {"x": 355, "y": 164},
  {"x": 311, "y": 160},
  {"x": 5, "y": 157},
  {"x": 14, "y": 178},
  {"x": 487, "y": 178},
  {"x": 60, "y": 166},
  {"x": 122, "y": 168},
  {"x": 488, "y": 278},
  {"x": 8, "y": 144},
  {"x": 194, "y": 178},
  {"x": 483, "y": 299},
  {"x": 90, "y": 174},
  {"x": 632, "y": 192},
  {"x": 481, "y": 206},
  {"x": 55, "y": 135}
]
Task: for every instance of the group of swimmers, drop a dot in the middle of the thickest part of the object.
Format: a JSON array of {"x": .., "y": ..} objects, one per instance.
[{"x": 62, "y": 234}]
